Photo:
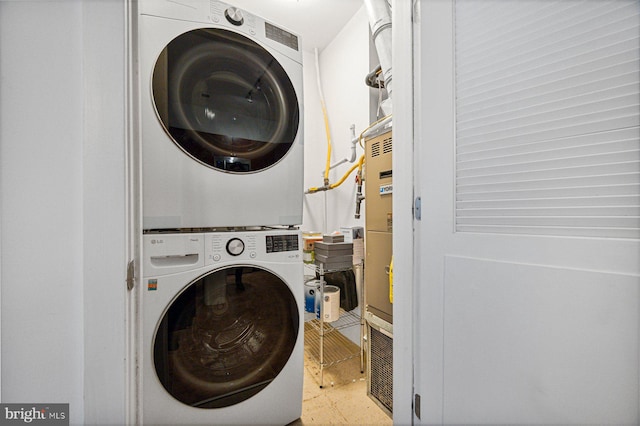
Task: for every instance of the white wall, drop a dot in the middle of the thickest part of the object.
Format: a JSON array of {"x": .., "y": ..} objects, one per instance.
[
  {"x": 42, "y": 206},
  {"x": 104, "y": 218},
  {"x": 62, "y": 199},
  {"x": 344, "y": 63}
]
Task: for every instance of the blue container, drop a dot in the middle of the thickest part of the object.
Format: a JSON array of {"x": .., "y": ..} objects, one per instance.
[{"x": 310, "y": 291}]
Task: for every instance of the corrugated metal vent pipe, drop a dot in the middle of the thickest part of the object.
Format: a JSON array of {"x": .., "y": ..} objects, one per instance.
[{"x": 380, "y": 23}]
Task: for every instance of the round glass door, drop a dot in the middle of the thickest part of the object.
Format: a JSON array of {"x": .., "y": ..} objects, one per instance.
[
  {"x": 225, "y": 101},
  {"x": 226, "y": 337}
]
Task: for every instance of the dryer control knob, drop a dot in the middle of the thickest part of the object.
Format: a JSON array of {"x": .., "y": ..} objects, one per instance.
[
  {"x": 234, "y": 15},
  {"x": 235, "y": 247}
]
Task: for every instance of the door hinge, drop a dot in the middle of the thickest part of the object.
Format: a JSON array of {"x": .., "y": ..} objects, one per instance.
[
  {"x": 416, "y": 405},
  {"x": 131, "y": 275},
  {"x": 417, "y": 208}
]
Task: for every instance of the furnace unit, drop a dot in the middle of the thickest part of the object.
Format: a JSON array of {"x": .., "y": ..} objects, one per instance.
[{"x": 378, "y": 251}]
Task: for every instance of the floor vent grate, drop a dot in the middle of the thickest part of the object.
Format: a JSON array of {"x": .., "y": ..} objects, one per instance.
[{"x": 381, "y": 368}]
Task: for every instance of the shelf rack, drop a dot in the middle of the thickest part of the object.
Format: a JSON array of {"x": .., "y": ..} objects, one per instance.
[{"x": 322, "y": 340}]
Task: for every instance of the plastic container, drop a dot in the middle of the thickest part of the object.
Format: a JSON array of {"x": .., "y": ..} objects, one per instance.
[
  {"x": 329, "y": 308},
  {"x": 311, "y": 289}
]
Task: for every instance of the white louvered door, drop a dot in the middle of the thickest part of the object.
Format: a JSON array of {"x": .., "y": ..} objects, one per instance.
[
  {"x": 547, "y": 118},
  {"x": 527, "y": 146}
]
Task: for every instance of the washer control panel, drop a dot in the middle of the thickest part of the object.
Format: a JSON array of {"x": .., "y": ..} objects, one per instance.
[
  {"x": 276, "y": 245},
  {"x": 172, "y": 253},
  {"x": 234, "y": 16},
  {"x": 235, "y": 247}
]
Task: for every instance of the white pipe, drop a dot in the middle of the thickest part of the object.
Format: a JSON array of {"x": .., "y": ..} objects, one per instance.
[
  {"x": 326, "y": 121},
  {"x": 325, "y": 219},
  {"x": 354, "y": 142},
  {"x": 318, "y": 77},
  {"x": 380, "y": 23},
  {"x": 381, "y": 126},
  {"x": 344, "y": 160}
]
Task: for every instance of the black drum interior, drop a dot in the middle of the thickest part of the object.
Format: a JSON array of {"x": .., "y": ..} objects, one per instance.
[
  {"x": 225, "y": 100},
  {"x": 226, "y": 337}
]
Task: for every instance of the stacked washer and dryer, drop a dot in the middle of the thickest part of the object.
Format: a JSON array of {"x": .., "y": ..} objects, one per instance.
[{"x": 221, "y": 301}]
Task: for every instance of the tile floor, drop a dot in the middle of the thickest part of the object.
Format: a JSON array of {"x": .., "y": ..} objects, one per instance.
[{"x": 343, "y": 399}]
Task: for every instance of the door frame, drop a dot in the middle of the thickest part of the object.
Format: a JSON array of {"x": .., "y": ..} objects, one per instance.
[{"x": 403, "y": 202}]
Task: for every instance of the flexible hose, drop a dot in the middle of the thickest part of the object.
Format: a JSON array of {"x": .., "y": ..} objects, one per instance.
[
  {"x": 361, "y": 137},
  {"x": 360, "y": 162},
  {"x": 357, "y": 165},
  {"x": 326, "y": 121}
]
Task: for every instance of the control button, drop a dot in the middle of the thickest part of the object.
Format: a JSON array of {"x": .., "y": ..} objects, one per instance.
[
  {"x": 252, "y": 255},
  {"x": 217, "y": 257},
  {"x": 234, "y": 16},
  {"x": 235, "y": 247}
]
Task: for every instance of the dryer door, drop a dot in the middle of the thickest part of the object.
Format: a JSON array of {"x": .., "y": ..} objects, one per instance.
[
  {"x": 226, "y": 337},
  {"x": 225, "y": 100}
]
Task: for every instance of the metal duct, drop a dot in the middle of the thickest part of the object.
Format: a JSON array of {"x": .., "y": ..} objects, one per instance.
[{"x": 380, "y": 23}]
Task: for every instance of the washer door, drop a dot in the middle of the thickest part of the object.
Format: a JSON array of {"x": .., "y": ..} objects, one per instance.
[
  {"x": 225, "y": 101},
  {"x": 226, "y": 337}
]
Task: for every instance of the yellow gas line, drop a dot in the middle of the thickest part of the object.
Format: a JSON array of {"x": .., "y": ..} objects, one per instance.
[
  {"x": 327, "y": 186},
  {"x": 346, "y": 175},
  {"x": 328, "y": 132}
]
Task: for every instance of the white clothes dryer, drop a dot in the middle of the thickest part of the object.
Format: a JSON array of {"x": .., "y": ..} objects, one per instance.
[
  {"x": 222, "y": 328},
  {"x": 220, "y": 95}
]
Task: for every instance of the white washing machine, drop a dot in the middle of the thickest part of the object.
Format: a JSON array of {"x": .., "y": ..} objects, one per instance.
[
  {"x": 222, "y": 328},
  {"x": 220, "y": 95}
]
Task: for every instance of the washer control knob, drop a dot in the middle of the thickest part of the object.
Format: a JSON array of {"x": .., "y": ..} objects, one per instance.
[
  {"x": 234, "y": 16},
  {"x": 235, "y": 247}
]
